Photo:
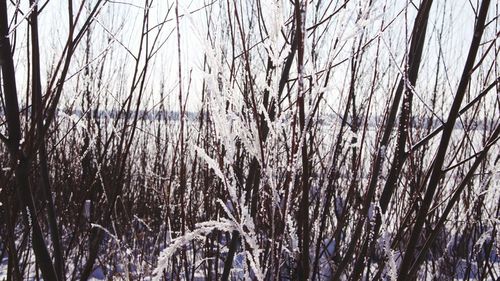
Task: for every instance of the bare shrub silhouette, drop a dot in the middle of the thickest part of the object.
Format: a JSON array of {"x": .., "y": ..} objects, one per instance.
[{"x": 260, "y": 140}]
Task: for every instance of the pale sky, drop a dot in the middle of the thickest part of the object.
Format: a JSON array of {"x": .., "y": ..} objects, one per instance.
[{"x": 121, "y": 21}]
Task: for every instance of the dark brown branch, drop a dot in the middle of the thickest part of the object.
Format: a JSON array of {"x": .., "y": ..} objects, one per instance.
[{"x": 436, "y": 174}]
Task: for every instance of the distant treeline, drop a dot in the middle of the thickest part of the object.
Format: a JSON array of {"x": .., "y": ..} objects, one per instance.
[{"x": 373, "y": 122}]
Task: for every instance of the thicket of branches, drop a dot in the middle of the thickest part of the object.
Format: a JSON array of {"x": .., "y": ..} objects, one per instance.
[{"x": 334, "y": 140}]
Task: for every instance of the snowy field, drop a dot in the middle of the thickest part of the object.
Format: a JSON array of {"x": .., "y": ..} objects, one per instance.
[{"x": 249, "y": 140}]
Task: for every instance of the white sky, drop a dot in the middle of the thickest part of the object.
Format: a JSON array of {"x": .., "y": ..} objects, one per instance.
[{"x": 123, "y": 19}]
